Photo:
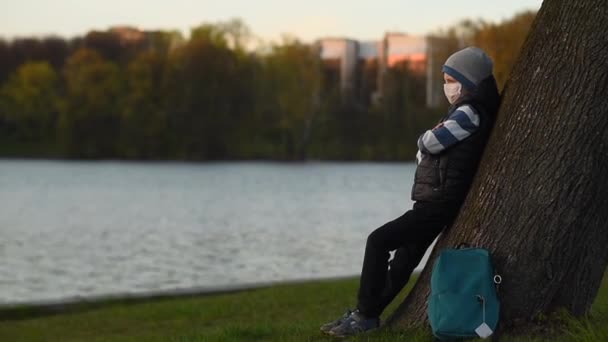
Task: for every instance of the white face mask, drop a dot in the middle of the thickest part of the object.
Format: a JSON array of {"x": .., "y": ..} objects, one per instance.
[{"x": 452, "y": 91}]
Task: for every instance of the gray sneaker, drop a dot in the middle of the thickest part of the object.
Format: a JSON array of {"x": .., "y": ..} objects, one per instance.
[
  {"x": 325, "y": 328},
  {"x": 355, "y": 324}
]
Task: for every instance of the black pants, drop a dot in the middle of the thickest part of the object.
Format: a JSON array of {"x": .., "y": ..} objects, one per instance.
[{"x": 410, "y": 235}]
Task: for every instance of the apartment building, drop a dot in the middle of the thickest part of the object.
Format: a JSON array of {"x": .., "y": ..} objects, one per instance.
[{"x": 360, "y": 67}]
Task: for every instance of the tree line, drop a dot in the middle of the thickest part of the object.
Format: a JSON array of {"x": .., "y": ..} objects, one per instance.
[{"x": 210, "y": 98}]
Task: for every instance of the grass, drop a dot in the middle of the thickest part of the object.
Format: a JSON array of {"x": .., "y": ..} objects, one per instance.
[{"x": 290, "y": 312}]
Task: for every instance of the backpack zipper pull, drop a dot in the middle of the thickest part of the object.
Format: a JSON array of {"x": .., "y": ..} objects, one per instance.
[
  {"x": 497, "y": 281},
  {"x": 482, "y": 300}
]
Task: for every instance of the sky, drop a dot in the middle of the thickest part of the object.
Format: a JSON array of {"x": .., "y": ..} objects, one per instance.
[{"x": 267, "y": 19}]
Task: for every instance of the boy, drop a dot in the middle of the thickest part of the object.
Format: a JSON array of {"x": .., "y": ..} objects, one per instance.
[{"x": 446, "y": 164}]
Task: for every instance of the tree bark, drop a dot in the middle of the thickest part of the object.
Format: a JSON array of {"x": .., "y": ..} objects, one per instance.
[{"x": 539, "y": 200}]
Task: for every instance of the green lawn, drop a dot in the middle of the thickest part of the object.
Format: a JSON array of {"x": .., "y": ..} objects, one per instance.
[{"x": 291, "y": 312}]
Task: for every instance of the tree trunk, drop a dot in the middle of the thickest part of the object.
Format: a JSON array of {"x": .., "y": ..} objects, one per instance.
[{"x": 539, "y": 201}]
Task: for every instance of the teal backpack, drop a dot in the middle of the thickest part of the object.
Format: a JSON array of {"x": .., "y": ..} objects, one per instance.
[{"x": 464, "y": 301}]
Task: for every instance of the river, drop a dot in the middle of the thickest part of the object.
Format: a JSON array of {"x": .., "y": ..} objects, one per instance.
[{"x": 92, "y": 228}]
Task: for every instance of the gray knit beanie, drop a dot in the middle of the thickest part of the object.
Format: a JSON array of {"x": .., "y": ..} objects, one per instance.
[{"x": 469, "y": 66}]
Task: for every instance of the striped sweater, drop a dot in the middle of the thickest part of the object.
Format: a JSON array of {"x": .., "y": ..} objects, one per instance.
[{"x": 459, "y": 125}]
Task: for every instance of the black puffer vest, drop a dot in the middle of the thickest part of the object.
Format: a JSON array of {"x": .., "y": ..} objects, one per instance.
[{"x": 447, "y": 176}]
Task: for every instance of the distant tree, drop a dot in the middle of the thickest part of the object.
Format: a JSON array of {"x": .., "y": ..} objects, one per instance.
[
  {"x": 213, "y": 34},
  {"x": 105, "y": 43},
  {"x": 291, "y": 94},
  {"x": 76, "y": 43},
  {"x": 327, "y": 138},
  {"x": 163, "y": 42},
  {"x": 7, "y": 60},
  {"x": 26, "y": 49},
  {"x": 89, "y": 122},
  {"x": 538, "y": 201},
  {"x": 201, "y": 102},
  {"x": 55, "y": 51},
  {"x": 402, "y": 104},
  {"x": 503, "y": 42},
  {"x": 144, "y": 120},
  {"x": 29, "y": 102},
  {"x": 237, "y": 34}
]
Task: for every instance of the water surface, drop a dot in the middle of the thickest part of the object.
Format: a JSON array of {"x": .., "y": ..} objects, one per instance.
[{"x": 90, "y": 228}]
